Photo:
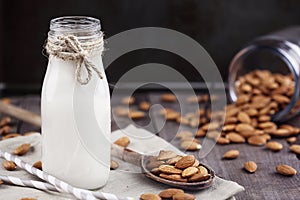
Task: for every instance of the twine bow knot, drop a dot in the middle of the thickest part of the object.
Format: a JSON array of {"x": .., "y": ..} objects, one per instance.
[{"x": 69, "y": 48}]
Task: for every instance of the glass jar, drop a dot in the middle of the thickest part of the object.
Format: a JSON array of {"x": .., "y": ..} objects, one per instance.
[
  {"x": 278, "y": 52},
  {"x": 75, "y": 104}
]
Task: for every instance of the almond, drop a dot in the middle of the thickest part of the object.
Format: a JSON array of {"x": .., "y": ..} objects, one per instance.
[
  {"x": 172, "y": 115},
  {"x": 183, "y": 196},
  {"x": 168, "y": 98},
  {"x": 232, "y": 154},
  {"x": 114, "y": 164},
  {"x": 38, "y": 165},
  {"x": 244, "y": 127},
  {"x": 196, "y": 163},
  {"x": 202, "y": 170},
  {"x": 123, "y": 141},
  {"x": 121, "y": 111},
  {"x": 230, "y": 120},
  {"x": 136, "y": 115},
  {"x": 186, "y": 161},
  {"x": 235, "y": 138},
  {"x": 173, "y": 177},
  {"x": 5, "y": 130},
  {"x": 11, "y": 135},
  {"x": 222, "y": 140},
  {"x": 183, "y": 134},
  {"x": 264, "y": 118},
  {"x": 257, "y": 140},
  {"x": 281, "y": 132},
  {"x": 232, "y": 112},
  {"x": 4, "y": 121},
  {"x": 1, "y": 182},
  {"x": 286, "y": 170},
  {"x": 244, "y": 118},
  {"x": 274, "y": 146},
  {"x": 169, "y": 169},
  {"x": 295, "y": 148},
  {"x": 150, "y": 196},
  {"x": 291, "y": 139},
  {"x": 229, "y": 127},
  {"x": 250, "y": 166},
  {"x": 211, "y": 126},
  {"x": 199, "y": 177},
  {"x": 265, "y": 125},
  {"x": 174, "y": 160},
  {"x": 144, "y": 105},
  {"x": 27, "y": 198},
  {"x": 200, "y": 133},
  {"x": 168, "y": 193},
  {"x": 190, "y": 171},
  {"x": 22, "y": 149},
  {"x": 190, "y": 145},
  {"x": 165, "y": 155},
  {"x": 128, "y": 100},
  {"x": 9, "y": 165}
]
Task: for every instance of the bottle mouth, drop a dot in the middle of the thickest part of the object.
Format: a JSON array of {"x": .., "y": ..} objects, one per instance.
[
  {"x": 81, "y": 26},
  {"x": 283, "y": 51}
]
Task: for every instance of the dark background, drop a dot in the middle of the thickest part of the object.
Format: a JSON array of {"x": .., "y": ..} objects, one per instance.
[{"x": 222, "y": 27}]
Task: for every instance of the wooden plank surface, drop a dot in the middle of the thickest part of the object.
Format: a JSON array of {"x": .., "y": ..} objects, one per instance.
[{"x": 263, "y": 184}]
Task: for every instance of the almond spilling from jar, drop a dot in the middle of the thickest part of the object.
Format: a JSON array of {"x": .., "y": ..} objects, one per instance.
[
  {"x": 169, "y": 193},
  {"x": 250, "y": 166},
  {"x": 257, "y": 140},
  {"x": 286, "y": 170},
  {"x": 244, "y": 127},
  {"x": 295, "y": 148},
  {"x": 274, "y": 146},
  {"x": 222, "y": 140},
  {"x": 291, "y": 139},
  {"x": 128, "y": 100},
  {"x": 168, "y": 98},
  {"x": 244, "y": 118},
  {"x": 9, "y": 165},
  {"x": 123, "y": 141},
  {"x": 144, "y": 105},
  {"x": 22, "y": 150},
  {"x": 136, "y": 115},
  {"x": 190, "y": 145},
  {"x": 232, "y": 154},
  {"x": 235, "y": 138}
]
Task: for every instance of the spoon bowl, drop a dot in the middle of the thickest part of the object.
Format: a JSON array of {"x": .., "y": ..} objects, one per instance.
[{"x": 184, "y": 185}]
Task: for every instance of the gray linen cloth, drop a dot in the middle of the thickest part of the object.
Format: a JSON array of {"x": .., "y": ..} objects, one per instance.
[{"x": 125, "y": 181}]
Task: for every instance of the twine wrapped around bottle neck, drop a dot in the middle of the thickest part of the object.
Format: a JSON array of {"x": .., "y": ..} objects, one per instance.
[{"x": 70, "y": 48}]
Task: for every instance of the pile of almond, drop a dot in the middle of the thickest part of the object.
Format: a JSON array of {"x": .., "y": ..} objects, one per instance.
[{"x": 169, "y": 165}]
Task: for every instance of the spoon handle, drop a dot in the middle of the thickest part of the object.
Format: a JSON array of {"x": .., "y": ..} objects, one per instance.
[{"x": 126, "y": 154}]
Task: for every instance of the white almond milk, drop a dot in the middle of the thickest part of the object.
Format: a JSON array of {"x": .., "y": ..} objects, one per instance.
[{"x": 76, "y": 124}]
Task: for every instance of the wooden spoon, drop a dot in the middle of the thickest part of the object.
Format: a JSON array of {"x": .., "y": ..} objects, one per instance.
[{"x": 142, "y": 160}]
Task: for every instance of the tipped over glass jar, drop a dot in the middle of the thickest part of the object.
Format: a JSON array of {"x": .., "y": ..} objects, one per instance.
[{"x": 267, "y": 70}]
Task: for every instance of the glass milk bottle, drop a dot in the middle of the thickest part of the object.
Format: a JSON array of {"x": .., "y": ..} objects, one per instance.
[{"x": 76, "y": 104}]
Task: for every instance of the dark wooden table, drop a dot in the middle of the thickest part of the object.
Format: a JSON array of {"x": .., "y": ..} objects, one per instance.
[{"x": 263, "y": 184}]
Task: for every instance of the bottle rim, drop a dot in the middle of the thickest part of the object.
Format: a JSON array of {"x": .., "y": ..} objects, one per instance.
[
  {"x": 83, "y": 27},
  {"x": 278, "y": 47}
]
